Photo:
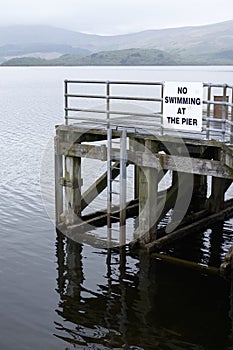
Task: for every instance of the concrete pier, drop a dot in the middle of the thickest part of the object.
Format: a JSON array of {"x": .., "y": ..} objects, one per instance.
[{"x": 188, "y": 157}]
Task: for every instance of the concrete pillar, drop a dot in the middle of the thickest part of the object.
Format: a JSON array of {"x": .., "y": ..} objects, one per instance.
[
  {"x": 148, "y": 198},
  {"x": 218, "y": 189},
  {"x": 199, "y": 193},
  {"x": 73, "y": 183},
  {"x": 58, "y": 182},
  {"x": 136, "y": 181}
]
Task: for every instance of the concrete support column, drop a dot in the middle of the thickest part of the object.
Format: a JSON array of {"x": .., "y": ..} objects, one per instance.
[
  {"x": 58, "y": 162},
  {"x": 148, "y": 200},
  {"x": 73, "y": 183},
  {"x": 199, "y": 193},
  {"x": 218, "y": 189},
  {"x": 136, "y": 181}
]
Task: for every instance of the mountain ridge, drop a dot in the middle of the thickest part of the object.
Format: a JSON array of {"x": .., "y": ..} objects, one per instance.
[{"x": 187, "y": 44}]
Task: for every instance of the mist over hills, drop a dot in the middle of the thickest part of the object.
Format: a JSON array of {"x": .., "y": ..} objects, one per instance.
[{"x": 209, "y": 44}]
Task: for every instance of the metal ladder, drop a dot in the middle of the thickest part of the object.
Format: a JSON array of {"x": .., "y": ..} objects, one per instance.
[{"x": 120, "y": 164}]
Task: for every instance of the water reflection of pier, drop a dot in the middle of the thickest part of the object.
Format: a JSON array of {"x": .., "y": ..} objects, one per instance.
[{"x": 137, "y": 303}]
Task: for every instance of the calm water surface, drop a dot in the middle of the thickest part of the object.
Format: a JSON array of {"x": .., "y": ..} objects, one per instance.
[{"x": 57, "y": 294}]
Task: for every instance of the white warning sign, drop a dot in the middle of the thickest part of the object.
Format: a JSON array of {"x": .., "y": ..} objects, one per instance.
[{"x": 182, "y": 105}]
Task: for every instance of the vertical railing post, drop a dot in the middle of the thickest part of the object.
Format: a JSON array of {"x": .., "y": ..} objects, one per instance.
[
  {"x": 208, "y": 113},
  {"x": 66, "y": 101},
  {"x": 123, "y": 186},
  {"x": 108, "y": 101},
  {"x": 161, "y": 111},
  {"x": 109, "y": 163},
  {"x": 231, "y": 129},
  {"x": 224, "y": 112}
]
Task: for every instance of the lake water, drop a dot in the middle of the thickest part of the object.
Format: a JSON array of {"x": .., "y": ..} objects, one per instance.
[{"x": 57, "y": 294}]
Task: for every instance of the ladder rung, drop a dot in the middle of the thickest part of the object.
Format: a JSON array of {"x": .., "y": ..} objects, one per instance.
[
  {"x": 113, "y": 192},
  {"x": 117, "y": 139},
  {"x": 115, "y": 229},
  {"x": 115, "y": 167},
  {"x": 114, "y": 217}
]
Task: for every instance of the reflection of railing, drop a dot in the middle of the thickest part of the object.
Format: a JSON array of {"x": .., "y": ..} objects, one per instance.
[{"x": 143, "y": 111}]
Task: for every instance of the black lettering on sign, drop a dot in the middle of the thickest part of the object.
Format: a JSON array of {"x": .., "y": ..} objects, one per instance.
[
  {"x": 181, "y": 110},
  {"x": 189, "y": 121},
  {"x": 173, "y": 120},
  {"x": 182, "y": 90}
]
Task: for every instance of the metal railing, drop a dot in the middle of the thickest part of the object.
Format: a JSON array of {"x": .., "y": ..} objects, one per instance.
[{"x": 141, "y": 106}]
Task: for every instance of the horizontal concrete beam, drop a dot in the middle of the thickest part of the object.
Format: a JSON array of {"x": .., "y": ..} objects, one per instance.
[
  {"x": 159, "y": 161},
  {"x": 182, "y": 164}
]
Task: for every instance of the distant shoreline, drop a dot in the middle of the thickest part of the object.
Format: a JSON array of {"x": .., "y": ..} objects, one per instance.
[
  {"x": 114, "y": 65},
  {"x": 126, "y": 57}
]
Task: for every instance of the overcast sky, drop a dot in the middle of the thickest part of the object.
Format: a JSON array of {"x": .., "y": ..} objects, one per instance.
[{"x": 115, "y": 16}]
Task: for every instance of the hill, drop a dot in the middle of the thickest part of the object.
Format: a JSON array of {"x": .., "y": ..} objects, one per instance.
[
  {"x": 128, "y": 57},
  {"x": 209, "y": 44},
  {"x": 106, "y": 58}
]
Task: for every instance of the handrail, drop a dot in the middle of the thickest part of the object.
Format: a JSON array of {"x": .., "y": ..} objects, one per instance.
[{"x": 78, "y": 105}]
